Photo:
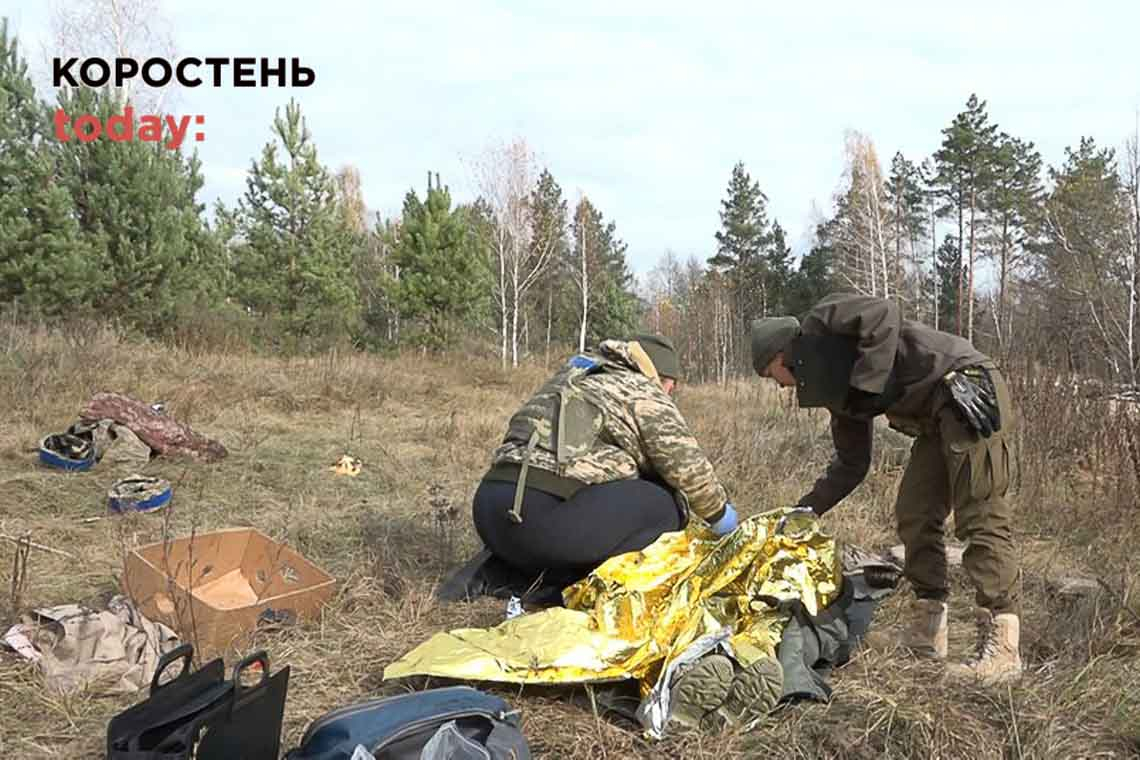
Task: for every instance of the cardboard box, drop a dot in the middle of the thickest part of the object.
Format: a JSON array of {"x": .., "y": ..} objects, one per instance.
[{"x": 212, "y": 590}]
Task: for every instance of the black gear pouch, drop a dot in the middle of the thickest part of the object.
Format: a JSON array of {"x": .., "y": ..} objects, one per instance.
[{"x": 975, "y": 399}]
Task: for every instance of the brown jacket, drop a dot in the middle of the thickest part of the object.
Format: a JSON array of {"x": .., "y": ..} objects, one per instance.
[{"x": 897, "y": 362}]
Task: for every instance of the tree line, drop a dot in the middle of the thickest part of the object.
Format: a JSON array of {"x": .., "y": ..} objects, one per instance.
[
  {"x": 978, "y": 239},
  {"x": 114, "y": 230}
]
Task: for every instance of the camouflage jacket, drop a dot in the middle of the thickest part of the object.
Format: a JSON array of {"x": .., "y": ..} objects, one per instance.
[{"x": 614, "y": 423}]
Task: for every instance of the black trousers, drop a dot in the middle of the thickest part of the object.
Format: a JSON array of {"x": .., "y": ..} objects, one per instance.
[{"x": 566, "y": 539}]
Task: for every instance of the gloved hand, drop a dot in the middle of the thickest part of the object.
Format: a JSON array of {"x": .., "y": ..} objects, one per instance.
[
  {"x": 975, "y": 399},
  {"x": 728, "y": 521},
  {"x": 796, "y": 511}
]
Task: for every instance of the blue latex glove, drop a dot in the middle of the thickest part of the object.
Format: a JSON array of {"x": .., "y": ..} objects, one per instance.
[{"x": 727, "y": 523}]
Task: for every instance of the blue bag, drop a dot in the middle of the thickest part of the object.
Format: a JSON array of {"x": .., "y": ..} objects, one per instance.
[{"x": 452, "y": 722}]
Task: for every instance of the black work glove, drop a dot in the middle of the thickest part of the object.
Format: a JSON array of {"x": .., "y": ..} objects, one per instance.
[{"x": 975, "y": 399}]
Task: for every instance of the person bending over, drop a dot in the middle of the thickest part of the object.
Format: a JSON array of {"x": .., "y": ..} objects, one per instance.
[
  {"x": 855, "y": 356},
  {"x": 597, "y": 463}
]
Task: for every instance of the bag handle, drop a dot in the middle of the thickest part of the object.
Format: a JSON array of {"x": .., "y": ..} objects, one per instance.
[
  {"x": 260, "y": 657},
  {"x": 185, "y": 653}
]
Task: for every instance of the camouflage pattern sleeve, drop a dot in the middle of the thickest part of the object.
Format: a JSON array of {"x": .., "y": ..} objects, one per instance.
[
  {"x": 853, "y": 439},
  {"x": 874, "y": 321},
  {"x": 677, "y": 457}
]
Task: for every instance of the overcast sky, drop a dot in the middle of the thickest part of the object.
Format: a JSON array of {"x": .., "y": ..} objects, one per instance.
[{"x": 645, "y": 106}]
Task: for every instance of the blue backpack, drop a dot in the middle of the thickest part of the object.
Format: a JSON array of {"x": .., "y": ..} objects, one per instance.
[{"x": 454, "y": 723}]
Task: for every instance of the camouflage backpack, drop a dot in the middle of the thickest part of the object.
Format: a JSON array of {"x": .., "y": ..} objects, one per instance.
[{"x": 562, "y": 418}]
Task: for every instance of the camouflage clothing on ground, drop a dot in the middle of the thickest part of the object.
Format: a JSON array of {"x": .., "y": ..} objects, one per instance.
[{"x": 617, "y": 423}]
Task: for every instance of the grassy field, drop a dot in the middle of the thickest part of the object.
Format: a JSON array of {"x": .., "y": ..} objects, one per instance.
[{"x": 424, "y": 428}]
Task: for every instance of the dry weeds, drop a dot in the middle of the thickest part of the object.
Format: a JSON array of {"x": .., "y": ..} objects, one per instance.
[{"x": 424, "y": 428}]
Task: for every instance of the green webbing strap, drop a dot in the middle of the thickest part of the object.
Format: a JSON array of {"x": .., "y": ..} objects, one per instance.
[
  {"x": 560, "y": 440},
  {"x": 515, "y": 512}
]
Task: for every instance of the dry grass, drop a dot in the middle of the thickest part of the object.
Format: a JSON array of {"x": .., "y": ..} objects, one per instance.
[{"x": 424, "y": 428}]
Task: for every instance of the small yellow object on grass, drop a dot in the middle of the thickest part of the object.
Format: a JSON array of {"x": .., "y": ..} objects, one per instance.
[{"x": 347, "y": 465}]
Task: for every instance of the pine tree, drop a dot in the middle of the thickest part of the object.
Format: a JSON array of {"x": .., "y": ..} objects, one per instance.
[
  {"x": 815, "y": 277},
  {"x": 741, "y": 243},
  {"x": 136, "y": 202},
  {"x": 617, "y": 308},
  {"x": 547, "y": 209},
  {"x": 905, "y": 198},
  {"x": 1014, "y": 203},
  {"x": 964, "y": 175},
  {"x": 605, "y": 306},
  {"x": 295, "y": 258},
  {"x": 777, "y": 270},
  {"x": 948, "y": 270},
  {"x": 444, "y": 278},
  {"x": 45, "y": 263}
]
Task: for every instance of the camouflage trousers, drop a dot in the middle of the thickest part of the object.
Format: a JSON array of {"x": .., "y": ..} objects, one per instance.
[{"x": 952, "y": 470}]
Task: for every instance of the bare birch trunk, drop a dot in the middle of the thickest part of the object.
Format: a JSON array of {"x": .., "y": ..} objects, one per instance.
[
  {"x": 503, "y": 314},
  {"x": 585, "y": 288},
  {"x": 515, "y": 319}
]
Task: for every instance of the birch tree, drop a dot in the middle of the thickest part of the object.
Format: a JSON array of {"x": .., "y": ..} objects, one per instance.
[
  {"x": 587, "y": 235},
  {"x": 1132, "y": 189},
  {"x": 505, "y": 177},
  {"x": 137, "y": 29},
  {"x": 863, "y": 221},
  {"x": 351, "y": 198}
]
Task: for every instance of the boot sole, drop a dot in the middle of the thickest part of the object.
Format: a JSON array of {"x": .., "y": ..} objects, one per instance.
[
  {"x": 700, "y": 691},
  {"x": 753, "y": 694}
]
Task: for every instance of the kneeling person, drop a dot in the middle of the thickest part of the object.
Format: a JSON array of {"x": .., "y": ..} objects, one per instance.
[{"x": 597, "y": 463}]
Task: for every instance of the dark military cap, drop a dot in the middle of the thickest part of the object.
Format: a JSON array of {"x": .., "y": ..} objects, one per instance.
[
  {"x": 769, "y": 337},
  {"x": 662, "y": 353}
]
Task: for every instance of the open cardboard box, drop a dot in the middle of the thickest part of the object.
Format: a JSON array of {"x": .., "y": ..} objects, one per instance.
[{"x": 213, "y": 588}]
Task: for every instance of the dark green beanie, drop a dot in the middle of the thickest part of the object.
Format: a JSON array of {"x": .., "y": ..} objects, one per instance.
[
  {"x": 662, "y": 353},
  {"x": 769, "y": 337}
]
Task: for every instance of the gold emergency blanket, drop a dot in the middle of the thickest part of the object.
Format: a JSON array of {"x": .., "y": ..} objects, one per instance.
[{"x": 637, "y": 611}]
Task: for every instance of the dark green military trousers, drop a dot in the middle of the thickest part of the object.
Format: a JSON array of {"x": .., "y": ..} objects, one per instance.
[{"x": 954, "y": 470}]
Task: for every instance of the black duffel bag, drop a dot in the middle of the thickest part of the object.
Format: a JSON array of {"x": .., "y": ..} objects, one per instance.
[{"x": 199, "y": 714}]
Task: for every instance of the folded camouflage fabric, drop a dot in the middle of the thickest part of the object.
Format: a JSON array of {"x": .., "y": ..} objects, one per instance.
[
  {"x": 114, "y": 443},
  {"x": 114, "y": 651},
  {"x": 166, "y": 435}
]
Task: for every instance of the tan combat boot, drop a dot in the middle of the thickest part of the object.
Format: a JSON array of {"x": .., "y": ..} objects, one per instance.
[
  {"x": 927, "y": 633},
  {"x": 997, "y": 659}
]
